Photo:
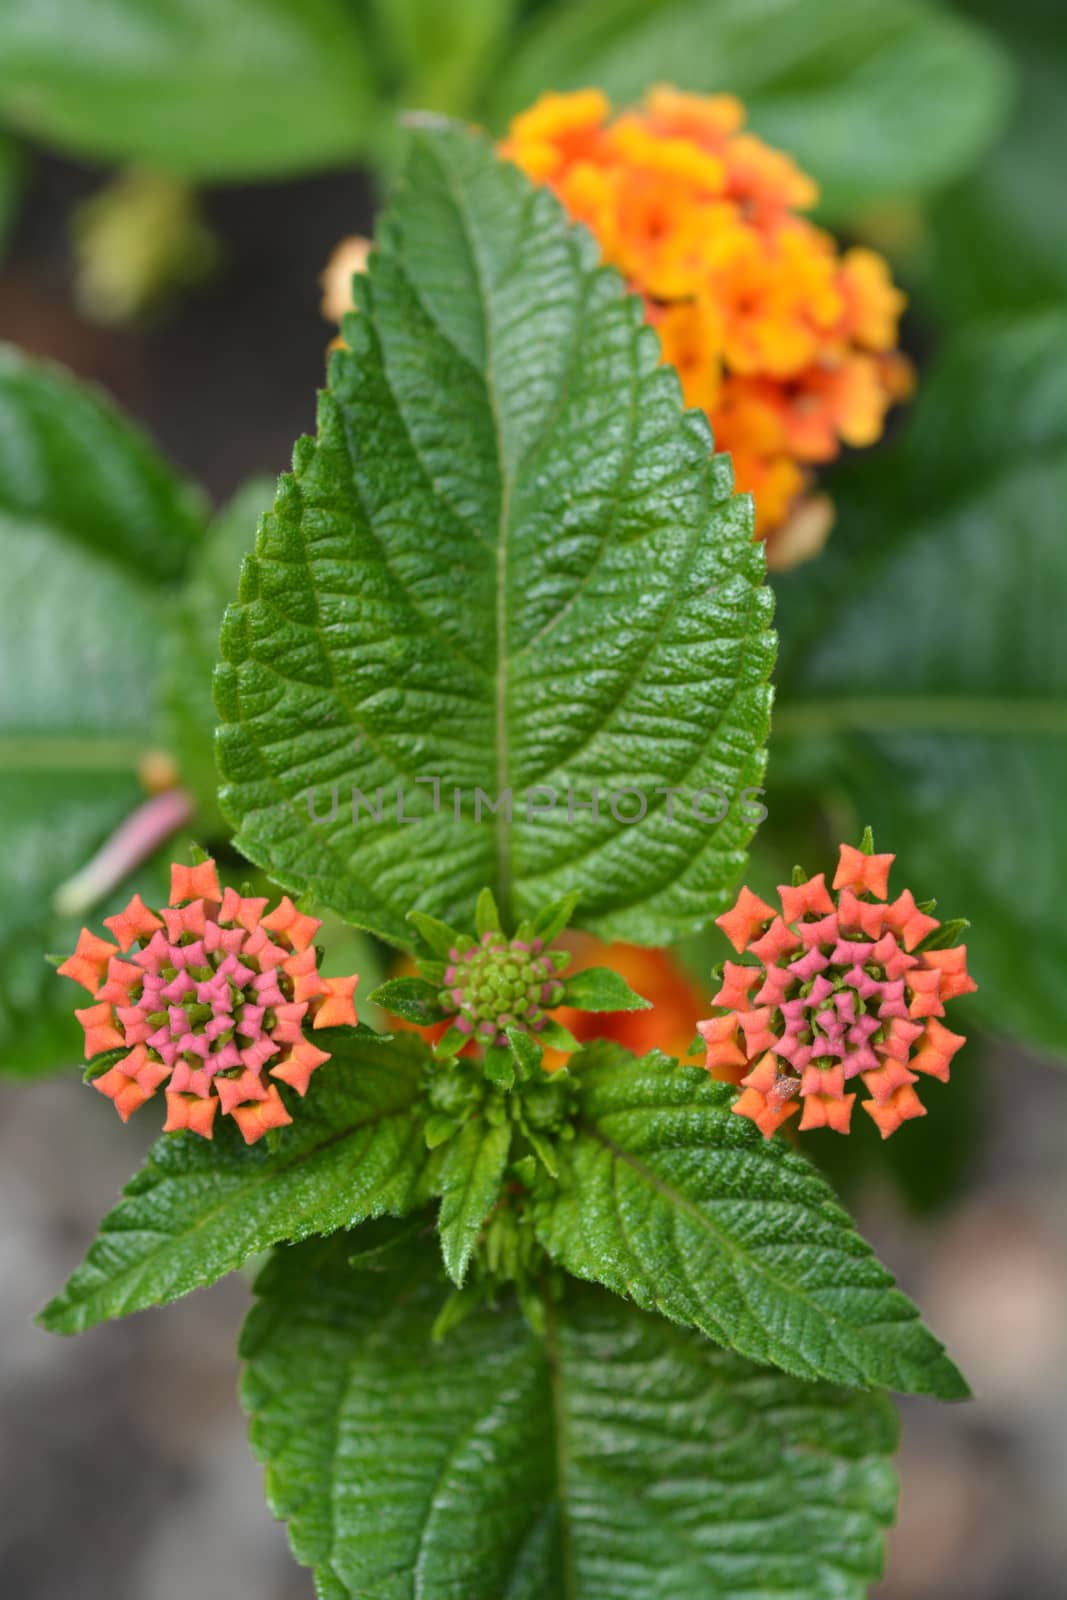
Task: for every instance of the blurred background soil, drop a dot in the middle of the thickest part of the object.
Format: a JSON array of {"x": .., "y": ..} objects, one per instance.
[{"x": 124, "y": 1471}]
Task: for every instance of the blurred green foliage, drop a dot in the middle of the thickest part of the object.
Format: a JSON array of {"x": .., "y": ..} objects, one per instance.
[{"x": 876, "y": 97}]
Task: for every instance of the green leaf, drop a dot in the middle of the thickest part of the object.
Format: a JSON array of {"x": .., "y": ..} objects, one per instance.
[
  {"x": 230, "y": 89},
  {"x": 469, "y": 1186},
  {"x": 875, "y": 98},
  {"x": 197, "y": 1210},
  {"x": 556, "y": 1036},
  {"x": 193, "y": 644},
  {"x": 441, "y": 54},
  {"x": 667, "y": 1197},
  {"x": 499, "y": 1067},
  {"x": 486, "y": 915},
  {"x": 620, "y": 1455},
  {"x": 411, "y": 998},
  {"x": 924, "y": 675},
  {"x": 91, "y": 519},
  {"x": 552, "y": 919},
  {"x": 507, "y": 563},
  {"x": 438, "y": 935},
  {"x": 72, "y": 464},
  {"x": 526, "y": 1050},
  {"x": 601, "y": 989}
]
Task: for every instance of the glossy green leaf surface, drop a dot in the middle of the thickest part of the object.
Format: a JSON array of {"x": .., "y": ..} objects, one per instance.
[
  {"x": 620, "y": 1455},
  {"x": 508, "y": 565},
  {"x": 665, "y": 1196},
  {"x": 198, "y": 1209}
]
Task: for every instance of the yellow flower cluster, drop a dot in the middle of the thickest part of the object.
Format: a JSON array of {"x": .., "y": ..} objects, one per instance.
[{"x": 787, "y": 345}]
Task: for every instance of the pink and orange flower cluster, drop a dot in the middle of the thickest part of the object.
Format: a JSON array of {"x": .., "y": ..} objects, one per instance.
[
  {"x": 210, "y": 998},
  {"x": 789, "y": 346},
  {"x": 840, "y": 986}
]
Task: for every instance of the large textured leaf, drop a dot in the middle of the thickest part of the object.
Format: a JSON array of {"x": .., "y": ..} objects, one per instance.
[
  {"x": 197, "y": 1210},
  {"x": 211, "y": 88},
  {"x": 508, "y": 562},
  {"x": 622, "y": 1455},
  {"x": 876, "y": 98},
  {"x": 90, "y": 521},
  {"x": 669, "y": 1198},
  {"x": 925, "y": 664}
]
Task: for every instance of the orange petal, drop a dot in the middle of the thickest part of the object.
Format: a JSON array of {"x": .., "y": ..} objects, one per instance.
[
  {"x": 764, "y": 1075},
  {"x": 122, "y": 976},
  {"x": 233, "y": 1092},
  {"x": 905, "y": 919},
  {"x": 337, "y": 1009},
  {"x": 805, "y": 899},
  {"x": 303, "y": 968},
  {"x": 285, "y": 918},
  {"x": 296, "y": 1069},
  {"x": 148, "y": 1072},
  {"x": 779, "y": 940},
  {"x": 100, "y": 1031},
  {"x": 823, "y": 1081},
  {"x": 924, "y": 985},
  {"x": 723, "y": 1048},
  {"x": 257, "y": 1119},
  {"x": 952, "y": 964},
  {"x": 827, "y": 1111},
  {"x": 268, "y": 954},
  {"x": 737, "y": 984},
  {"x": 936, "y": 1049},
  {"x": 863, "y": 873},
  {"x": 747, "y": 917},
  {"x": 756, "y": 1026},
  {"x": 136, "y": 922},
  {"x": 245, "y": 911},
  {"x": 190, "y": 918},
  {"x": 899, "y": 1108},
  {"x": 194, "y": 883},
  {"x": 127, "y": 1094},
  {"x": 884, "y": 1081},
  {"x": 767, "y": 1117},
  {"x": 863, "y": 914},
  {"x": 190, "y": 1111},
  {"x": 89, "y": 962}
]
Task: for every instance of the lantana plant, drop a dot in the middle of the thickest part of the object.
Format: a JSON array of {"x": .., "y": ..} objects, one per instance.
[{"x": 539, "y": 1316}]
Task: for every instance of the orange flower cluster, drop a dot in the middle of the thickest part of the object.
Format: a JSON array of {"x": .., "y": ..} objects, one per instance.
[
  {"x": 841, "y": 987},
  {"x": 210, "y": 998},
  {"x": 788, "y": 346}
]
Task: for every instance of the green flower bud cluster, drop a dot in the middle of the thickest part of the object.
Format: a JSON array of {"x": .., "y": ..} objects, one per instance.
[{"x": 500, "y": 983}]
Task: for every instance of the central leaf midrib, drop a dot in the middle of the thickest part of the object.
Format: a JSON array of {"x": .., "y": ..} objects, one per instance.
[{"x": 502, "y": 885}]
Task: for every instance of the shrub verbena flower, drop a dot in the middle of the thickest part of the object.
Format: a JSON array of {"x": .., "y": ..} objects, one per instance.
[
  {"x": 788, "y": 346},
  {"x": 209, "y": 998},
  {"x": 841, "y": 985}
]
